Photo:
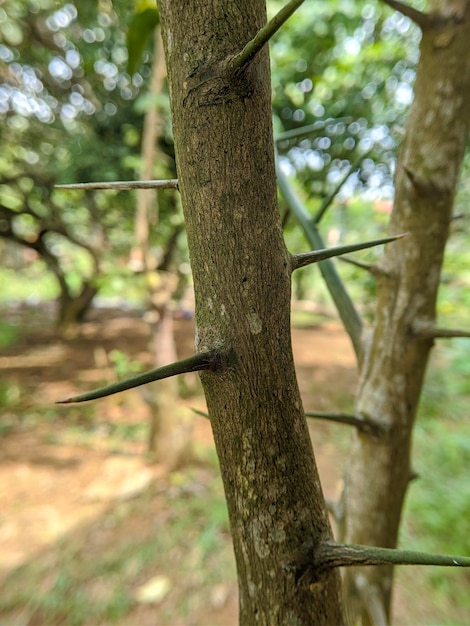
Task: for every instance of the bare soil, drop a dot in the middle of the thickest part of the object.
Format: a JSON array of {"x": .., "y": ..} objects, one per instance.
[{"x": 54, "y": 483}]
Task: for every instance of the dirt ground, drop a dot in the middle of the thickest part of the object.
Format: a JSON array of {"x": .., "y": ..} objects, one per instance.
[{"x": 53, "y": 484}]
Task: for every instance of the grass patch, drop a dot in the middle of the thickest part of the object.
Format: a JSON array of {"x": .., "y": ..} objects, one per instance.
[
  {"x": 178, "y": 528},
  {"x": 32, "y": 284},
  {"x": 306, "y": 319},
  {"x": 8, "y": 334},
  {"x": 437, "y": 512}
]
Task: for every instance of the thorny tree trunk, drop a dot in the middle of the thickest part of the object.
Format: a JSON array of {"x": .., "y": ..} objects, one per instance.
[
  {"x": 396, "y": 353},
  {"x": 241, "y": 269}
]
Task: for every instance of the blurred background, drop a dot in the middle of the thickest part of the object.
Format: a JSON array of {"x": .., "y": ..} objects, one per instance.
[{"x": 113, "y": 512}]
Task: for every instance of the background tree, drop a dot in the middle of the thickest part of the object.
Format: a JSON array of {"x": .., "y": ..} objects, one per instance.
[
  {"x": 70, "y": 112},
  {"x": 170, "y": 430},
  {"x": 393, "y": 354},
  {"x": 397, "y": 350},
  {"x": 342, "y": 80}
]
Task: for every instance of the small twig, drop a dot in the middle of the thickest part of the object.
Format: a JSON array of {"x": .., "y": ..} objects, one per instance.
[
  {"x": 362, "y": 423},
  {"x": 371, "y": 598},
  {"x": 369, "y": 267},
  {"x": 308, "y": 129},
  {"x": 262, "y": 37},
  {"x": 328, "y": 201},
  {"x": 285, "y": 217},
  {"x": 199, "y": 412},
  {"x": 336, "y": 509},
  {"x": 429, "y": 331},
  {"x": 195, "y": 363},
  {"x": 171, "y": 183},
  {"x": 307, "y": 258},
  {"x": 421, "y": 19},
  {"x": 346, "y": 555}
]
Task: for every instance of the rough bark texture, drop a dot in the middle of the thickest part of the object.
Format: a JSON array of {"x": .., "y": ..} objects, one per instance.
[
  {"x": 241, "y": 269},
  {"x": 396, "y": 356}
]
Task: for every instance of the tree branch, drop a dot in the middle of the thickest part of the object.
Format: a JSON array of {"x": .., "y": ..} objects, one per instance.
[
  {"x": 336, "y": 509},
  {"x": 369, "y": 267},
  {"x": 362, "y": 423},
  {"x": 307, "y": 258},
  {"x": 45, "y": 225},
  {"x": 198, "y": 362},
  {"x": 347, "y": 555},
  {"x": 308, "y": 129},
  {"x": 344, "y": 305},
  {"x": 171, "y": 247},
  {"x": 372, "y": 600},
  {"x": 421, "y": 19},
  {"x": 329, "y": 199},
  {"x": 243, "y": 58},
  {"x": 124, "y": 184},
  {"x": 429, "y": 331}
]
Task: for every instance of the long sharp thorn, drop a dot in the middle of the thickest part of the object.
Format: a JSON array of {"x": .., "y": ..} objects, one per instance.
[
  {"x": 306, "y": 258},
  {"x": 197, "y": 362},
  {"x": 124, "y": 184}
]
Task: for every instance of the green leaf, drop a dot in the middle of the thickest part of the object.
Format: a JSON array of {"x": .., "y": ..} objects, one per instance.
[{"x": 140, "y": 30}]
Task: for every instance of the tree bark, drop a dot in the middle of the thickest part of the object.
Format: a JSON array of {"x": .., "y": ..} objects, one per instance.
[
  {"x": 241, "y": 269},
  {"x": 395, "y": 353}
]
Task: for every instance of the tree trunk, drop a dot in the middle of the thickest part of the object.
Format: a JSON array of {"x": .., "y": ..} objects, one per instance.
[
  {"x": 241, "y": 268},
  {"x": 396, "y": 351},
  {"x": 169, "y": 431},
  {"x": 72, "y": 309},
  {"x": 170, "y": 427},
  {"x": 147, "y": 199}
]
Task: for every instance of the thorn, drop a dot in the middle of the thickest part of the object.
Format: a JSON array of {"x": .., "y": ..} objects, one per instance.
[
  {"x": 307, "y": 258},
  {"x": 243, "y": 58},
  {"x": 202, "y": 361},
  {"x": 124, "y": 184},
  {"x": 373, "y": 269},
  {"x": 362, "y": 423},
  {"x": 199, "y": 412},
  {"x": 426, "y": 330},
  {"x": 346, "y": 555},
  {"x": 421, "y": 19}
]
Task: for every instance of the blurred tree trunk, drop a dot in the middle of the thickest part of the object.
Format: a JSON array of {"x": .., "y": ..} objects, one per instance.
[
  {"x": 241, "y": 269},
  {"x": 73, "y": 308},
  {"x": 170, "y": 430},
  {"x": 147, "y": 200},
  {"x": 396, "y": 350}
]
